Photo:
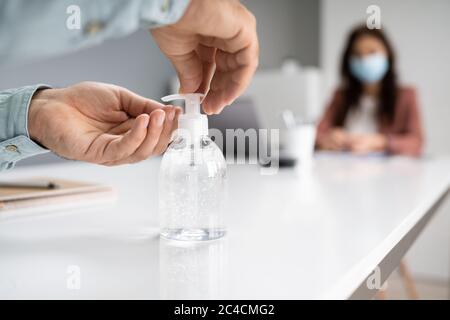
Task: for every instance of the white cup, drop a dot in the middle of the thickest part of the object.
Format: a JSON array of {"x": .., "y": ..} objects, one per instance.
[{"x": 298, "y": 143}]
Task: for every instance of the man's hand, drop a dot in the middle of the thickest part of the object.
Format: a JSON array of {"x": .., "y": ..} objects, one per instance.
[
  {"x": 100, "y": 123},
  {"x": 214, "y": 49}
]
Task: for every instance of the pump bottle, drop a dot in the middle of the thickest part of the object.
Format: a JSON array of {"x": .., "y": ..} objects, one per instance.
[{"x": 192, "y": 179}]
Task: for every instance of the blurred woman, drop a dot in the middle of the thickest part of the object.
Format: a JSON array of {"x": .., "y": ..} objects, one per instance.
[{"x": 370, "y": 111}]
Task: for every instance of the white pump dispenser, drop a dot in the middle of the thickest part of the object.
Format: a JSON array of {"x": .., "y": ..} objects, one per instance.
[
  {"x": 192, "y": 120},
  {"x": 192, "y": 179}
]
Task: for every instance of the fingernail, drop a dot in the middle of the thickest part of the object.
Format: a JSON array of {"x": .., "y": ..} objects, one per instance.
[
  {"x": 145, "y": 122},
  {"x": 171, "y": 114},
  {"x": 159, "y": 118}
]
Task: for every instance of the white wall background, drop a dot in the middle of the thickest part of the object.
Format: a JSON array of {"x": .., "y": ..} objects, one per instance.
[
  {"x": 420, "y": 32},
  {"x": 286, "y": 28}
]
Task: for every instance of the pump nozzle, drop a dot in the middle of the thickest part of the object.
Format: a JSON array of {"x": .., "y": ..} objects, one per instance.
[
  {"x": 192, "y": 119},
  {"x": 191, "y": 101}
]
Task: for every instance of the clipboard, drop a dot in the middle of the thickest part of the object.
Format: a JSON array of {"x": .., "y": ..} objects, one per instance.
[{"x": 68, "y": 193}]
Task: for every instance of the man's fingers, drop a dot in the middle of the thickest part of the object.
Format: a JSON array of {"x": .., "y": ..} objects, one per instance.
[
  {"x": 207, "y": 57},
  {"x": 214, "y": 44},
  {"x": 134, "y": 104},
  {"x": 166, "y": 132},
  {"x": 189, "y": 69},
  {"x": 195, "y": 69},
  {"x": 154, "y": 130},
  {"x": 162, "y": 140},
  {"x": 123, "y": 127},
  {"x": 127, "y": 144},
  {"x": 225, "y": 88},
  {"x": 233, "y": 74}
]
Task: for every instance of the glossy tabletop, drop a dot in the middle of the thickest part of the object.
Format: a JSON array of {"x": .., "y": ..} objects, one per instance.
[{"x": 311, "y": 234}]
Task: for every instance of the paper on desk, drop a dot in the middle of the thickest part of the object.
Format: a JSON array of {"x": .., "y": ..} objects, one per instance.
[{"x": 70, "y": 193}]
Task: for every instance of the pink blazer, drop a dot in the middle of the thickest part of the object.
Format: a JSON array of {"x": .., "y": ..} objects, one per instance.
[{"x": 405, "y": 134}]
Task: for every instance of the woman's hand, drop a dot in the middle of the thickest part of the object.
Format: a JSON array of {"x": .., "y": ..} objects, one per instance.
[
  {"x": 367, "y": 143},
  {"x": 100, "y": 123},
  {"x": 335, "y": 140}
]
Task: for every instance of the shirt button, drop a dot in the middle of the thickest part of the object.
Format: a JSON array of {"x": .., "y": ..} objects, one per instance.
[
  {"x": 11, "y": 148},
  {"x": 93, "y": 27},
  {"x": 165, "y": 5}
]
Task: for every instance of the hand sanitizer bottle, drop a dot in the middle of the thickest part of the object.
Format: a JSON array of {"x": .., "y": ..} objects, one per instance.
[{"x": 192, "y": 179}]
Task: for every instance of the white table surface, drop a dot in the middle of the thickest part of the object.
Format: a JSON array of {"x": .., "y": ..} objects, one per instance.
[{"x": 291, "y": 235}]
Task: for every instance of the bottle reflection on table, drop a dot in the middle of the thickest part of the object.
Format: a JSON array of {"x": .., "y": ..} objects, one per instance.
[{"x": 192, "y": 270}]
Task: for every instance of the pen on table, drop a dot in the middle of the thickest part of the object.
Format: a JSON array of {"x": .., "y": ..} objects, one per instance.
[{"x": 29, "y": 185}]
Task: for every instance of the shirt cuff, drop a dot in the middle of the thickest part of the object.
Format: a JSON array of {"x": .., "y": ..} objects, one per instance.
[
  {"x": 161, "y": 12},
  {"x": 18, "y": 148},
  {"x": 15, "y": 141}
]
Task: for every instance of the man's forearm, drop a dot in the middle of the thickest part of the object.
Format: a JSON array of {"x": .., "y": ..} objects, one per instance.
[{"x": 44, "y": 32}]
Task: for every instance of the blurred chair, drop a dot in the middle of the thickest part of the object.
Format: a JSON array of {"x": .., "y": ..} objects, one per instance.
[
  {"x": 408, "y": 283},
  {"x": 292, "y": 87},
  {"x": 242, "y": 114}
]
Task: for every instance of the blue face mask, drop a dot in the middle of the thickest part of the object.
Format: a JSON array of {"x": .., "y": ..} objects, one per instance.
[{"x": 369, "y": 69}]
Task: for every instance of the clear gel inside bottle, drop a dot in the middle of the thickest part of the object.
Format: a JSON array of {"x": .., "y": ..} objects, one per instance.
[{"x": 192, "y": 181}]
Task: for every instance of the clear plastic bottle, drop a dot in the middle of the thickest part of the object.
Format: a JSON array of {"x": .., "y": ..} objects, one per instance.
[{"x": 192, "y": 181}]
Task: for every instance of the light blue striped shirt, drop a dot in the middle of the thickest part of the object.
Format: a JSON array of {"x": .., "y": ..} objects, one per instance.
[{"x": 37, "y": 29}]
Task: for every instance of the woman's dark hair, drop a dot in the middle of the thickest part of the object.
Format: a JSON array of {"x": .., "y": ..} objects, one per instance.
[{"x": 352, "y": 87}]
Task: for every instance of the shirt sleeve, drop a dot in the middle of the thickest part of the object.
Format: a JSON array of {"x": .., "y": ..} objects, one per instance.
[
  {"x": 155, "y": 13},
  {"x": 15, "y": 142},
  {"x": 411, "y": 140},
  {"x": 326, "y": 122},
  {"x": 37, "y": 29}
]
